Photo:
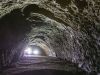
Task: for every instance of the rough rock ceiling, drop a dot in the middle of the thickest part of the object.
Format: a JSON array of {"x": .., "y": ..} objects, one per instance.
[{"x": 69, "y": 29}]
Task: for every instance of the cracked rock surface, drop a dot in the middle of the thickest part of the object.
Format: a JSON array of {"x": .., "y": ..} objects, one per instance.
[{"x": 68, "y": 29}]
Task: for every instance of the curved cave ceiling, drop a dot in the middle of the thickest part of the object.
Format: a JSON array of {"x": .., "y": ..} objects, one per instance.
[{"x": 45, "y": 31}]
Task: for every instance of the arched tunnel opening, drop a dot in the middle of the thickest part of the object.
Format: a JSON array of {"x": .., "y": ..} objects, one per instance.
[
  {"x": 33, "y": 41},
  {"x": 28, "y": 41}
]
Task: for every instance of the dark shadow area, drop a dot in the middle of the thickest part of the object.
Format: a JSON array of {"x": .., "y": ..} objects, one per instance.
[
  {"x": 81, "y": 4},
  {"x": 63, "y": 3},
  {"x": 48, "y": 72},
  {"x": 13, "y": 30}
]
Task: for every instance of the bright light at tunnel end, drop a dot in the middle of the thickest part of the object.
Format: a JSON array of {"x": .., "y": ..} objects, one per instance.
[
  {"x": 29, "y": 52},
  {"x": 36, "y": 51}
]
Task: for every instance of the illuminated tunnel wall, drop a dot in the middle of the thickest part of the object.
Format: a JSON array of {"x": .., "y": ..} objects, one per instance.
[
  {"x": 33, "y": 25},
  {"x": 36, "y": 29}
]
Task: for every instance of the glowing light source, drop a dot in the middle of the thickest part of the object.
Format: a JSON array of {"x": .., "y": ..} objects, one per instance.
[
  {"x": 32, "y": 51},
  {"x": 36, "y": 52},
  {"x": 28, "y": 51}
]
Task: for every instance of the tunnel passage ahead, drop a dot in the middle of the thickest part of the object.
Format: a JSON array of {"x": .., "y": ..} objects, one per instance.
[
  {"x": 30, "y": 42},
  {"x": 34, "y": 51},
  {"x": 70, "y": 39}
]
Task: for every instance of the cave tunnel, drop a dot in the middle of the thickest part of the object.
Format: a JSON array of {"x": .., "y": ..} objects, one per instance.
[{"x": 33, "y": 41}]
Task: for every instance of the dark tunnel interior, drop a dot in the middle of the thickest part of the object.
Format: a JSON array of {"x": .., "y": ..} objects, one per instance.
[
  {"x": 13, "y": 41},
  {"x": 49, "y": 37},
  {"x": 48, "y": 72}
]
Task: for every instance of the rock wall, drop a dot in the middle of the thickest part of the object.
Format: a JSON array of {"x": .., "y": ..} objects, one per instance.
[{"x": 71, "y": 28}]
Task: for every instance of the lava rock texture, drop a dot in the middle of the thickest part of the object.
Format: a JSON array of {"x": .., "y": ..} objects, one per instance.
[{"x": 69, "y": 28}]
